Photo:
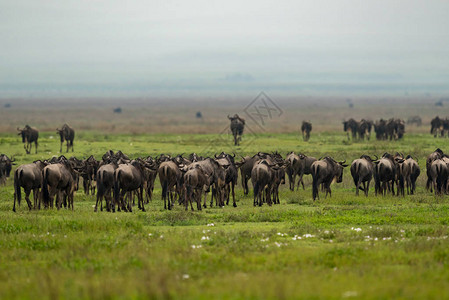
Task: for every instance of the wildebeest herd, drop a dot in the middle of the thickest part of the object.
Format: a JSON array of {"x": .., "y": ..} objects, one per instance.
[
  {"x": 392, "y": 129},
  {"x": 118, "y": 180},
  {"x": 30, "y": 135}
]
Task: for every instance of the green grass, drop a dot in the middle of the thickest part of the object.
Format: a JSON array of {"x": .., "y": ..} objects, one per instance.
[{"x": 339, "y": 247}]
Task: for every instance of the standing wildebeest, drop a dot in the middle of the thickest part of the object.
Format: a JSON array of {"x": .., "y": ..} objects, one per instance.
[
  {"x": 380, "y": 127},
  {"x": 105, "y": 185},
  {"x": 262, "y": 176},
  {"x": 364, "y": 129},
  {"x": 5, "y": 167},
  {"x": 324, "y": 172},
  {"x": 305, "y": 168},
  {"x": 128, "y": 178},
  {"x": 28, "y": 177},
  {"x": 385, "y": 172},
  {"x": 195, "y": 181},
  {"x": 237, "y": 126},
  {"x": 292, "y": 162},
  {"x": 66, "y": 133},
  {"x": 436, "y": 125},
  {"x": 59, "y": 179},
  {"x": 169, "y": 176},
  {"x": 362, "y": 172},
  {"x": 351, "y": 125},
  {"x": 438, "y": 173},
  {"x": 437, "y": 154},
  {"x": 29, "y": 135},
  {"x": 89, "y": 171},
  {"x": 227, "y": 162},
  {"x": 414, "y": 173},
  {"x": 306, "y": 128}
]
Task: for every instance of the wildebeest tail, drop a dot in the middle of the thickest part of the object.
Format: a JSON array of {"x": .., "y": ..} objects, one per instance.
[
  {"x": 45, "y": 193},
  {"x": 17, "y": 186},
  {"x": 100, "y": 186}
]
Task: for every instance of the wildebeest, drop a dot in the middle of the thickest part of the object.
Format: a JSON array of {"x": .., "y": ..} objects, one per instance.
[
  {"x": 324, "y": 172},
  {"x": 292, "y": 163},
  {"x": 237, "y": 127},
  {"x": 28, "y": 177},
  {"x": 29, "y": 135},
  {"x": 364, "y": 129},
  {"x": 169, "y": 176},
  {"x": 414, "y": 173},
  {"x": 306, "y": 128},
  {"x": 226, "y": 161},
  {"x": 304, "y": 168},
  {"x": 414, "y": 120},
  {"x": 59, "y": 179},
  {"x": 362, "y": 173},
  {"x": 351, "y": 125},
  {"x": 150, "y": 177},
  {"x": 66, "y": 133},
  {"x": 385, "y": 171},
  {"x": 195, "y": 181},
  {"x": 436, "y": 126},
  {"x": 88, "y": 173},
  {"x": 6, "y": 164},
  {"x": 262, "y": 176},
  {"x": 439, "y": 173},
  {"x": 128, "y": 178},
  {"x": 437, "y": 154},
  {"x": 105, "y": 185}
]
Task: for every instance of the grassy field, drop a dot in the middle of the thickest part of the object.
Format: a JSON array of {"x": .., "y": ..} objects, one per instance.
[{"x": 339, "y": 247}]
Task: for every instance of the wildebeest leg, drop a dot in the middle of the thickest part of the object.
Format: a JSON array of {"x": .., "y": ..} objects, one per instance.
[
  {"x": 140, "y": 195},
  {"x": 233, "y": 194},
  {"x": 27, "y": 197}
]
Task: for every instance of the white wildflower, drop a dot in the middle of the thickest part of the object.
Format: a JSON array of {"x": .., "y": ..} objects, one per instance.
[
  {"x": 210, "y": 224},
  {"x": 185, "y": 276},
  {"x": 205, "y": 238}
]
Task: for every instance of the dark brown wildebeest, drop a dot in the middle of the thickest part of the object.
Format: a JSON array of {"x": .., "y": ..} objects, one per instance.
[
  {"x": 437, "y": 154},
  {"x": 66, "y": 133},
  {"x": 195, "y": 183},
  {"x": 246, "y": 166},
  {"x": 414, "y": 173},
  {"x": 351, "y": 125},
  {"x": 402, "y": 174},
  {"x": 105, "y": 185},
  {"x": 414, "y": 120},
  {"x": 129, "y": 178},
  {"x": 380, "y": 127},
  {"x": 6, "y": 164},
  {"x": 29, "y": 135},
  {"x": 262, "y": 176},
  {"x": 305, "y": 168},
  {"x": 436, "y": 126},
  {"x": 362, "y": 173},
  {"x": 324, "y": 172},
  {"x": 59, "y": 179},
  {"x": 237, "y": 127},
  {"x": 28, "y": 177},
  {"x": 439, "y": 173},
  {"x": 169, "y": 176},
  {"x": 306, "y": 128},
  {"x": 385, "y": 171},
  {"x": 292, "y": 169},
  {"x": 278, "y": 179},
  {"x": 88, "y": 173},
  {"x": 150, "y": 177},
  {"x": 364, "y": 129},
  {"x": 226, "y": 161}
]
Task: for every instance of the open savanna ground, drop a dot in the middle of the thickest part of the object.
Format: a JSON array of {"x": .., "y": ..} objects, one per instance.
[{"x": 340, "y": 247}]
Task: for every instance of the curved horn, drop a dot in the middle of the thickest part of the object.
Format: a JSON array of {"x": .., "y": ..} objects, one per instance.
[
  {"x": 342, "y": 162},
  {"x": 233, "y": 154},
  {"x": 215, "y": 155}
]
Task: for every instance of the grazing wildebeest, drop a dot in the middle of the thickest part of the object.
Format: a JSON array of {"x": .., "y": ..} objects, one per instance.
[
  {"x": 59, "y": 179},
  {"x": 129, "y": 178},
  {"x": 324, "y": 172},
  {"x": 305, "y": 168},
  {"x": 169, "y": 176},
  {"x": 6, "y": 164},
  {"x": 28, "y": 177},
  {"x": 195, "y": 181},
  {"x": 385, "y": 171},
  {"x": 306, "y": 128},
  {"x": 362, "y": 173},
  {"x": 237, "y": 126},
  {"x": 414, "y": 173},
  {"x": 351, "y": 125},
  {"x": 29, "y": 135},
  {"x": 437, "y": 154},
  {"x": 227, "y": 162},
  {"x": 66, "y": 133}
]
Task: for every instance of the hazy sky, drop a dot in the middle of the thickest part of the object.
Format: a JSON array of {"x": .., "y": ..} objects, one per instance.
[{"x": 209, "y": 46}]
